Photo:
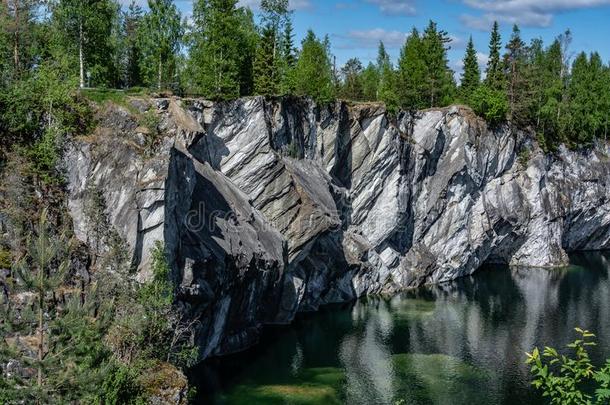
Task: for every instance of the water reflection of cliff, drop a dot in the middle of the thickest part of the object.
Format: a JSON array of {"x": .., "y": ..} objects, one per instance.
[
  {"x": 489, "y": 321},
  {"x": 462, "y": 342}
]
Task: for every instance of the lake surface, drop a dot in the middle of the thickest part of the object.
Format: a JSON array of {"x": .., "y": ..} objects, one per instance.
[{"x": 457, "y": 343}]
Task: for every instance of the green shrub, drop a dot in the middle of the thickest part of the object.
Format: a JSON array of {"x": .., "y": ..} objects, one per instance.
[
  {"x": 6, "y": 260},
  {"x": 564, "y": 380},
  {"x": 121, "y": 386},
  {"x": 489, "y": 104},
  {"x": 524, "y": 156}
]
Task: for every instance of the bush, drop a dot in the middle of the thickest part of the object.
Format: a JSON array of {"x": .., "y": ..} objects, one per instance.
[
  {"x": 564, "y": 380},
  {"x": 6, "y": 259},
  {"x": 489, "y": 104},
  {"x": 121, "y": 386}
]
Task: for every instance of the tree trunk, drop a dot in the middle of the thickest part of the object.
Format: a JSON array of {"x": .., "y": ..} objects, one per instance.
[
  {"x": 40, "y": 338},
  {"x": 80, "y": 53},
  {"x": 16, "y": 44},
  {"x": 160, "y": 74}
]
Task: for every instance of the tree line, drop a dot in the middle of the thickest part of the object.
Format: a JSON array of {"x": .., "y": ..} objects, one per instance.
[
  {"x": 562, "y": 99},
  {"x": 223, "y": 53}
]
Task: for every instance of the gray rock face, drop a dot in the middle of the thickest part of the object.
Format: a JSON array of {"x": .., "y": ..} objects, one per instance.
[{"x": 269, "y": 207}]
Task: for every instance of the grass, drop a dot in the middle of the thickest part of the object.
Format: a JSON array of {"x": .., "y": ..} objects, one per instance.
[
  {"x": 149, "y": 119},
  {"x": 103, "y": 96}
]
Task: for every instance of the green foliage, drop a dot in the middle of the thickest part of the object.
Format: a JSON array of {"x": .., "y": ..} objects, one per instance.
[
  {"x": 288, "y": 60},
  {"x": 565, "y": 380},
  {"x": 273, "y": 59},
  {"x": 412, "y": 73},
  {"x": 119, "y": 97},
  {"x": 518, "y": 82},
  {"x": 86, "y": 28},
  {"x": 588, "y": 109},
  {"x": 386, "y": 90},
  {"x": 121, "y": 386},
  {"x": 471, "y": 77},
  {"x": 494, "y": 78},
  {"x": 131, "y": 47},
  {"x": 439, "y": 87},
  {"x": 266, "y": 64},
  {"x": 159, "y": 40},
  {"x": 370, "y": 82},
  {"x": 524, "y": 156},
  {"x": 216, "y": 54},
  {"x": 6, "y": 259},
  {"x": 38, "y": 112},
  {"x": 151, "y": 120},
  {"x": 489, "y": 104},
  {"x": 150, "y": 328},
  {"x": 424, "y": 79},
  {"x": 313, "y": 71},
  {"x": 352, "y": 88},
  {"x": 78, "y": 359}
]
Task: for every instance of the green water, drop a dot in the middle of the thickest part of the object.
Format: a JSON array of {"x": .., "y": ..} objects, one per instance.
[{"x": 457, "y": 343}]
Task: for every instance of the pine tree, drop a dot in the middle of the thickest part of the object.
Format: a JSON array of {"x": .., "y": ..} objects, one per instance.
[
  {"x": 412, "y": 73},
  {"x": 248, "y": 39},
  {"x": 383, "y": 67},
  {"x": 288, "y": 60},
  {"x": 439, "y": 83},
  {"x": 383, "y": 58},
  {"x": 274, "y": 15},
  {"x": 288, "y": 45},
  {"x": 266, "y": 80},
  {"x": 160, "y": 40},
  {"x": 471, "y": 76},
  {"x": 586, "y": 115},
  {"x": 6, "y": 65},
  {"x": 268, "y": 60},
  {"x": 514, "y": 63},
  {"x": 605, "y": 101},
  {"x": 352, "y": 80},
  {"x": 386, "y": 91},
  {"x": 216, "y": 58},
  {"x": 494, "y": 76},
  {"x": 17, "y": 27},
  {"x": 313, "y": 71},
  {"x": 550, "y": 89},
  {"x": 43, "y": 275},
  {"x": 131, "y": 26},
  {"x": 370, "y": 82}
]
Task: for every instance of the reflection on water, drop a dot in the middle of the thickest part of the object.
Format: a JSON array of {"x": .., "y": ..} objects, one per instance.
[{"x": 458, "y": 343}]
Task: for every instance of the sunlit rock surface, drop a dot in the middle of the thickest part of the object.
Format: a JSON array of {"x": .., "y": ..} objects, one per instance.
[{"x": 270, "y": 207}]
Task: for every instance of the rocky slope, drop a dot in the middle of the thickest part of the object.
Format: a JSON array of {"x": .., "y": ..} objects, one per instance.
[{"x": 270, "y": 207}]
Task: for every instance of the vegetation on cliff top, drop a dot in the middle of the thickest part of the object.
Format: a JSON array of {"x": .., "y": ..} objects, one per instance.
[{"x": 47, "y": 50}]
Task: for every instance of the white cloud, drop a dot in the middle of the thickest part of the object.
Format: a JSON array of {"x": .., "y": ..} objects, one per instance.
[
  {"x": 531, "y": 13},
  {"x": 395, "y": 7},
  {"x": 457, "y": 42},
  {"x": 370, "y": 39},
  {"x": 482, "y": 58},
  {"x": 293, "y": 4}
]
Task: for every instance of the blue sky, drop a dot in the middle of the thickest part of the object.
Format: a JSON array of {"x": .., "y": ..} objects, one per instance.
[{"x": 356, "y": 26}]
